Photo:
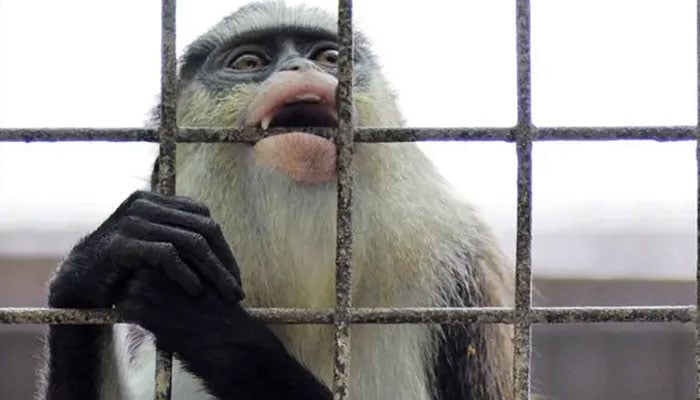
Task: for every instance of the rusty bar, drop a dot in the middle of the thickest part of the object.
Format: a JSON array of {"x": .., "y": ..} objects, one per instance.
[
  {"x": 168, "y": 101},
  {"x": 166, "y": 158},
  {"x": 697, "y": 216},
  {"x": 344, "y": 148},
  {"x": 366, "y": 135},
  {"x": 414, "y": 315},
  {"x": 657, "y": 133},
  {"x": 561, "y": 315},
  {"x": 523, "y": 284},
  {"x": 393, "y": 135},
  {"x": 78, "y": 135}
]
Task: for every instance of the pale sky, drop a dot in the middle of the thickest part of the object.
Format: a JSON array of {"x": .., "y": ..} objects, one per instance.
[{"x": 95, "y": 63}]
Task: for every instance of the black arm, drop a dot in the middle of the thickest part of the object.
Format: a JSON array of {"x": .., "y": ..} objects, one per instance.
[
  {"x": 166, "y": 265},
  {"x": 75, "y": 352},
  {"x": 235, "y": 355},
  {"x": 75, "y": 360}
]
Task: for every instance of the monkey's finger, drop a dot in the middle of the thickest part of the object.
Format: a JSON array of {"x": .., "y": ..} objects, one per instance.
[
  {"x": 176, "y": 202},
  {"x": 139, "y": 294},
  {"x": 158, "y": 254},
  {"x": 205, "y": 226},
  {"x": 176, "y": 269},
  {"x": 192, "y": 247}
]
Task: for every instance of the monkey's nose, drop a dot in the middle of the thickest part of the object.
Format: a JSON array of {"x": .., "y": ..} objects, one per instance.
[{"x": 297, "y": 64}]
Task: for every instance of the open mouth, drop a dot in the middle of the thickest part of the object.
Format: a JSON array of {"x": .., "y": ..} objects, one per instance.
[
  {"x": 303, "y": 114},
  {"x": 297, "y": 101},
  {"x": 293, "y": 99},
  {"x": 302, "y": 111}
]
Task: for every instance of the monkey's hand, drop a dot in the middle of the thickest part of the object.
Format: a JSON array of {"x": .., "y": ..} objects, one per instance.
[
  {"x": 147, "y": 230},
  {"x": 235, "y": 355}
]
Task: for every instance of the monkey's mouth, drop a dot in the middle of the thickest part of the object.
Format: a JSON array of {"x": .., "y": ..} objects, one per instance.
[
  {"x": 303, "y": 114},
  {"x": 293, "y": 99},
  {"x": 304, "y": 157}
]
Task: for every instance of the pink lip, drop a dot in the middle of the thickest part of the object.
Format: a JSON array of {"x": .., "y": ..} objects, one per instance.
[{"x": 287, "y": 86}]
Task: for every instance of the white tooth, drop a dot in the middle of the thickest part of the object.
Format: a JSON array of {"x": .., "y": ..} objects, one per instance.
[
  {"x": 308, "y": 97},
  {"x": 265, "y": 122}
]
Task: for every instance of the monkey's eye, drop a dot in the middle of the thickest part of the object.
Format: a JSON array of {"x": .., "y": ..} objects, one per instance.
[
  {"x": 328, "y": 57},
  {"x": 248, "y": 62}
]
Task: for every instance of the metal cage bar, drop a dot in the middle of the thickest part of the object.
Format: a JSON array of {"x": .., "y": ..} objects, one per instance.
[
  {"x": 344, "y": 147},
  {"x": 364, "y": 135},
  {"x": 415, "y": 315},
  {"x": 522, "y": 316},
  {"x": 166, "y": 159},
  {"x": 697, "y": 231},
  {"x": 522, "y": 338}
]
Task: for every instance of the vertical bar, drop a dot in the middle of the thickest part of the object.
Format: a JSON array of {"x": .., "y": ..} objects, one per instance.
[
  {"x": 697, "y": 215},
  {"x": 344, "y": 148},
  {"x": 166, "y": 159},
  {"x": 523, "y": 299},
  {"x": 168, "y": 101}
]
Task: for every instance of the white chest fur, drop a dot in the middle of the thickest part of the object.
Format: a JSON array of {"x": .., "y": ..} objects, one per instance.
[{"x": 283, "y": 237}]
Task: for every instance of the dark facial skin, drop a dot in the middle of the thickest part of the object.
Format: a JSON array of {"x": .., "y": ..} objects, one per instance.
[
  {"x": 275, "y": 50},
  {"x": 165, "y": 265},
  {"x": 246, "y": 62}
]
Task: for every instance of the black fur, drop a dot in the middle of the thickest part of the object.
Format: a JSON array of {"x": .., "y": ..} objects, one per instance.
[
  {"x": 236, "y": 356},
  {"x": 166, "y": 266},
  {"x": 75, "y": 353},
  {"x": 459, "y": 357}
]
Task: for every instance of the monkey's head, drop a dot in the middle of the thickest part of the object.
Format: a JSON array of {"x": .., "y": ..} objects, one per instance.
[{"x": 270, "y": 65}]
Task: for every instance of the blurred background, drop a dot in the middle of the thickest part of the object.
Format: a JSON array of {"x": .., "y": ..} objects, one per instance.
[{"x": 614, "y": 222}]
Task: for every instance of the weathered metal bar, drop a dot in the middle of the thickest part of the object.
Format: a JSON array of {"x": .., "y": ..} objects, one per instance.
[
  {"x": 166, "y": 158},
  {"x": 344, "y": 147},
  {"x": 697, "y": 216},
  {"x": 414, "y": 315},
  {"x": 364, "y": 135},
  {"x": 562, "y": 315},
  {"x": 657, "y": 133},
  {"x": 78, "y": 135},
  {"x": 523, "y": 283},
  {"x": 367, "y": 135}
]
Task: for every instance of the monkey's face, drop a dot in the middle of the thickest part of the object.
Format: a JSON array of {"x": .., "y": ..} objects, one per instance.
[{"x": 283, "y": 78}]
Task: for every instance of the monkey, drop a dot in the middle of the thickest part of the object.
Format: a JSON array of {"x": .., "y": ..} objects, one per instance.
[{"x": 254, "y": 225}]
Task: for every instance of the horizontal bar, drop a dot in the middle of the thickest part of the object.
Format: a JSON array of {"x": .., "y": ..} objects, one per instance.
[
  {"x": 417, "y": 315},
  {"x": 79, "y": 135},
  {"x": 250, "y": 135},
  {"x": 366, "y": 135},
  {"x": 559, "y": 315},
  {"x": 658, "y": 133}
]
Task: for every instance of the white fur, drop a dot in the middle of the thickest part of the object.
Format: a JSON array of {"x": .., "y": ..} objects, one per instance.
[{"x": 283, "y": 236}]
